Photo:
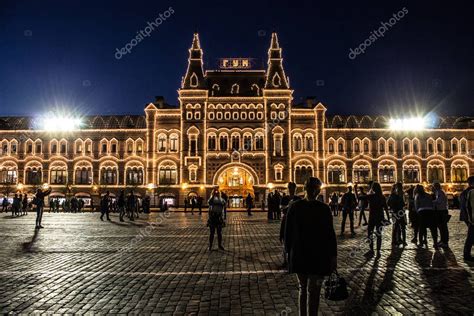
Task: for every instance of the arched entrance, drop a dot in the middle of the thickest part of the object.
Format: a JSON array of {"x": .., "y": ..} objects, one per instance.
[{"x": 237, "y": 181}]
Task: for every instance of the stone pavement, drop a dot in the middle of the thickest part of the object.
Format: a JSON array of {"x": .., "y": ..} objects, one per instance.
[{"x": 161, "y": 265}]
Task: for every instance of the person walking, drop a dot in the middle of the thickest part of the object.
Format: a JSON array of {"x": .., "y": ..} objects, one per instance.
[
  {"x": 310, "y": 241},
  {"x": 285, "y": 203},
  {"x": 426, "y": 214},
  {"x": 16, "y": 205},
  {"x": 466, "y": 205},
  {"x": 377, "y": 205},
  {"x": 362, "y": 206},
  {"x": 5, "y": 204},
  {"x": 396, "y": 204},
  {"x": 412, "y": 215},
  {"x": 24, "y": 205},
  {"x": 131, "y": 205},
  {"x": 216, "y": 220},
  {"x": 349, "y": 203},
  {"x": 270, "y": 205},
  {"x": 442, "y": 214},
  {"x": 105, "y": 206},
  {"x": 333, "y": 204},
  {"x": 39, "y": 205},
  {"x": 121, "y": 205},
  {"x": 276, "y": 205},
  {"x": 193, "y": 204},
  {"x": 186, "y": 202},
  {"x": 249, "y": 204}
]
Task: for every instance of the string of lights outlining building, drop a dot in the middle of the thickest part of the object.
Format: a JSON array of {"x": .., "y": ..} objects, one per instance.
[{"x": 237, "y": 129}]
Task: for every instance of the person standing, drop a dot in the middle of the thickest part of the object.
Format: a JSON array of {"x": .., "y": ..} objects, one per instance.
[
  {"x": 310, "y": 242},
  {"x": 186, "y": 202},
  {"x": 270, "y": 205},
  {"x": 276, "y": 205},
  {"x": 412, "y": 215},
  {"x": 442, "y": 214},
  {"x": 24, "y": 205},
  {"x": 333, "y": 204},
  {"x": 349, "y": 203},
  {"x": 249, "y": 204},
  {"x": 396, "y": 204},
  {"x": 193, "y": 204},
  {"x": 16, "y": 205},
  {"x": 104, "y": 206},
  {"x": 39, "y": 202},
  {"x": 215, "y": 220},
  {"x": 466, "y": 204},
  {"x": 199, "y": 204},
  {"x": 285, "y": 203},
  {"x": 426, "y": 214},
  {"x": 131, "y": 204},
  {"x": 226, "y": 199},
  {"x": 362, "y": 207},
  {"x": 377, "y": 205},
  {"x": 121, "y": 205}
]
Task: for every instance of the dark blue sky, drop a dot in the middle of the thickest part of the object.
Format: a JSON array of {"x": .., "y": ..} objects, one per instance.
[{"x": 61, "y": 53}]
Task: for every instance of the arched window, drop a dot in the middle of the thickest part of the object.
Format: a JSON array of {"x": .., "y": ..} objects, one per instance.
[
  {"x": 435, "y": 171},
  {"x": 174, "y": 143},
  {"x": 88, "y": 146},
  {"x": 235, "y": 142},
  {"x": 341, "y": 146},
  {"x": 331, "y": 145},
  {"x": 167, "y": 173},
  {"x": 38, "y": 147},
  {"x": 361, "y": 172},
  {"x": 8, "y": 173},
  {"x": 459, "y": 171},
  {"x": 464, "y": 149},
  {"x": 83, "y": 173},
  {"x": 53, "y": 147},
  {"x": 416, "y": 146},
  {"x": 387, "y": 171},
  {"x": 4, "y": 148},
  {"x": 134, "y": 176},
  {"x": 223, "y": 142},
  {"x": 211, "y": 142},
  {"x": 33, "y": 173},
  {"x": 309, "y": 142},
  {"x": 391, "y": 146},
  {"x": 139, "y": 146},
  {"x": 406, "y": 147},
  {"x": 108, "y": 175},
  {"x": 162, "y": 143},
  {"x": 58, "y": 173},
  {"x": 439, "y": 146},
  {"x": 79, "y": 146},
  {"x": 303, "y": 170},
  {"x": 356, "y": 144},
  {"x": 129, "y": 146},
  {"x": 430, "y": 146},
  {"x": 192, "y": 173},
  {"x": 366, "y": 146},
  {"x": 247, "y": 146},
  {"x": 259, "y": 142},
  {"x": 336, "y": 172},
  {"x": 297, "y": 142},
  {"x": 382, "y": 146},
  {"x": 411, "y": 171},
  {"x": 278, "y": 172}
]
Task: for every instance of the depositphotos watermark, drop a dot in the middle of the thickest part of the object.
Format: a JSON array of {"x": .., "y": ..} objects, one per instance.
[
  {"x": 146, "y": 32},
  {"x": 376, "y": 34}
]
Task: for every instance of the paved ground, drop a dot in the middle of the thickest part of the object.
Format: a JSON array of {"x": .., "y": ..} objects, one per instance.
[{"x": 78, "y": 264}]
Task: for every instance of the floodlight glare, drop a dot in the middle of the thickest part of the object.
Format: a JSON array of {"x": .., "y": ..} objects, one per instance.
[
  {"x": 407, "y": 124},
  {"x": 60, "y": 123}
]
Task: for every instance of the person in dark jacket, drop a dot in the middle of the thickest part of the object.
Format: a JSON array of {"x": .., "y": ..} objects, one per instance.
[
  {"x": 104, "y": 206},
  {"x": 216, "y": 220},
  {"x": 377, "y": 205},
  {"x": 466, "y": 201},
  {"x": 349, "y": 204},
  {"x": 121, "y": 205},
  {"x": 249, "y": 204},
  {"x": 310, "y": 242},
  {"x": 24, "y": 205},
  {"x": 284, "y": 205},
  {"x": 425, "y": 208},
  {"x": 396, "y": 204},
  {"x": 39, "y": 202}
]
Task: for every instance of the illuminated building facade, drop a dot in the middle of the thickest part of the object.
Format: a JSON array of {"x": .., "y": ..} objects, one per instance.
[{"x": 236, "y": 128}]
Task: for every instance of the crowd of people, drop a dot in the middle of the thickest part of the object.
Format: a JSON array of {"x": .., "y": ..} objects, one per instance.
[
  {"x": 20, "y": 205},
  {"x": 194, "y": 202},
  {"x": 127, "y": 205}
]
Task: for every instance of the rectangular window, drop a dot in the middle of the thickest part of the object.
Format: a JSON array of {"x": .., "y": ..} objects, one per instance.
[
  {"x": 38, "y": 149},
  {"x": 8, "y": 176},
  {"x": 63, "y": 148},
  {"x": 29, "y": 148},
  {"x": 113, "y": 149},
  {"x": 104, "y": 148},
  {"x": 193, "y": 147},
  {"x": 58, "y": 176},
  {"x": 167, "y": 176}
]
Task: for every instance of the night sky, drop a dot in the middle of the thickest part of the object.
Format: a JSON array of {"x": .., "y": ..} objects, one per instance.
[{"x": 61, "y": 53}]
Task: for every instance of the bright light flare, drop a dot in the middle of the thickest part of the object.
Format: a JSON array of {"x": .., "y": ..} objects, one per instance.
[
  {"x": 407, "y": 124},
  {"x": 60, "y": 123}
]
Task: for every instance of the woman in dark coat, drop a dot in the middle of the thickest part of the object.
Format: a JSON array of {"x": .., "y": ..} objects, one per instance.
[
  {"x": 377, "y": 205},
  {"x": 216, "y": 219},
  {"x": 426, "y": 215},
  {"x": 396, "y": 204}
]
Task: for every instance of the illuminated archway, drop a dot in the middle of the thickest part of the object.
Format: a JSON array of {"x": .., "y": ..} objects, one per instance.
[{"x": 236, "y": 180}]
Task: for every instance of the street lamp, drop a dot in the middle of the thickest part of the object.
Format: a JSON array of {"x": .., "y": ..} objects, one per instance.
[
  {"x": 45, "y": 186},
  {"x": 270, "y": 186},
  {"x": 20, "y": 187},
  {"x": 184, "y": 186}
]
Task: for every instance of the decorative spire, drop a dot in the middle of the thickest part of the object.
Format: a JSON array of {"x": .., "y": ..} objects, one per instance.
[
  {"x": 194, "y": 77},
  {"x": 276, "y": 78}
]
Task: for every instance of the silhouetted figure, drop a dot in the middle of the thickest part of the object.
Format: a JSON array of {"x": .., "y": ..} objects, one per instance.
[
  {"x": 276, "y": 205},
  {"x": 396, "y": 204},
  {"x": 131, "y": 205},
  {"x": 199, "y": 202},
  {"x": 226, "y": 200},
  {"x": 186, "y": 202},
  {"x": 285, "y": 203},
  {"x": 193, "y": 204},
  {"x": 39, "y": 204},
  {"x": 427, "y": 216},
  {"x": 121, "y": 205},
  {"x": 362, "y": 206},
  {"x": 377, "y": 205},
  {"x": 412, "y": 215},
  {"x": 249, "y": 204},
  {"x": 466, "y": 201},
  {"x": 333, "y": 204},
  {"x": 310, "y": 242},
  {"x": 442, "y": 214},
  {"x": 16, "y": 205},
  {"x": 24, "y": 205},
  {"x": 104, "y": 206},
  {"x": 349, "y": 204},
  {"x": 5, "y": 205},
  {"x": 215, "y": 220}
]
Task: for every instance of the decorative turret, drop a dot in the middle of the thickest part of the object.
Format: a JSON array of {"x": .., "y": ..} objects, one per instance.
[
  {"x": 276, "y": 78},
  {"x": 194, "y": 77}
]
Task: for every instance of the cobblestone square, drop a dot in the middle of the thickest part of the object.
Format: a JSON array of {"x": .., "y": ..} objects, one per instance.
[{"x": 161, "y": 265}]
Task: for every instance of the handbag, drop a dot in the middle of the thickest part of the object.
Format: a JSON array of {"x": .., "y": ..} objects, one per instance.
[{"x": 336, "y": 288}]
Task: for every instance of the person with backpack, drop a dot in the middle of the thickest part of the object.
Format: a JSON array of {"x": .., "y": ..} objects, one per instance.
[
  {"x": 466, "y": 201},
  {"x": 349, "y": 203},
  {"x": 216, "y": 220}
]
